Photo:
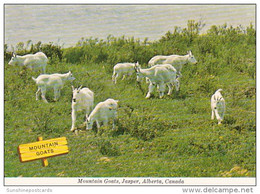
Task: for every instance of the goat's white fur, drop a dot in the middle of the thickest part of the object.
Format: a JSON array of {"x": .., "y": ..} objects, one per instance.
[
  {"x": 33, "y": 61},
  {"x": 82, "y": 100},
  {"x": 218, "y": 106},
  {"x": 123, "y": 69},
  {"x": 51, "y": 81},
  {"x": 160, "y": 75},
  {"x": 102, "y": 113}
]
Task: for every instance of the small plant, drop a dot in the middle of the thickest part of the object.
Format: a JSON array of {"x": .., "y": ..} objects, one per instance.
[
  {"x": 108, "y": 149},
  {"x": 43, "y": 121}
]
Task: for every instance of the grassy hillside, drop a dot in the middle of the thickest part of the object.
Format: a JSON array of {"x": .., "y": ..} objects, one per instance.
[{"x": 169, "y": 137}]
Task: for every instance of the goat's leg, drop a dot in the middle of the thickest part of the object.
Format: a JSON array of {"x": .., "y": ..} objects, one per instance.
[
  {"x": 170, "y": 86},
  {"x": 43, "y": 91},
  {"x": 38, "y": 93},
  {"x": 56, "y": 93},
  {"x": 115, "y": 78},
  {"x": 59, "y": 93},
  {"x": 161, "y": 89},
  {"x": 73, "y": 119},
  {"x": 151, "y": 88},
  {"x": 212, "y": 114},
  {"x": 98, "y": 125},
  {"x": 114, "y": 123},
  {"x": 44, "y": 69},
  {"x": 123, "y": 77},
  {"x": 217, "y": 116},
  {"x": 86, "y": 115},
  {"x": 177, "y": 84},
  {"x": 105, "y": 122}
]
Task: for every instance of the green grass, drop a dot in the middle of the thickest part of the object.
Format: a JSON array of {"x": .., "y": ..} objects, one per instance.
[{"x": 169, "y": 137}]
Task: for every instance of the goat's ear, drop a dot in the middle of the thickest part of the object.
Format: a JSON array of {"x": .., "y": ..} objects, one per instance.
[
  {"x": 137, "y": 63},
  {"x": 117, "y": 101},
  {"x": 14, "y": 54},
  {"x": 72, "y": 88}
]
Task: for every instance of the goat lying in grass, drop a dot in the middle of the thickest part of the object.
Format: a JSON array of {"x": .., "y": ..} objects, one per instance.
[
  {"x": 123, "y": 69},
  {"x": 102, "y": 113},
  {"x": 160, "y": 76},
  {"x": 218, "y": 106},
  {"x": 51, "y": 81},
  {"x": 82, "y": 100}
]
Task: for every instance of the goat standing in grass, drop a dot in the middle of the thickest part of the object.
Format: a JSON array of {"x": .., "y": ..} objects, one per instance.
[
  {"x": 51, "y": 81},
  {"x": 82, "y": 100},
  {"x": 218, "y": 106},
  {"x": 160, "y": 76},
  {"x": 102, "y": 113},
  {"x": 33, "y": 61},
  {"x": 177, "y": 61},
  {"x": 123, "y": 69}
]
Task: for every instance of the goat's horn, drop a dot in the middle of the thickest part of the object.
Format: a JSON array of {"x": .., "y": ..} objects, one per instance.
[{"x": 80, "y": 87}]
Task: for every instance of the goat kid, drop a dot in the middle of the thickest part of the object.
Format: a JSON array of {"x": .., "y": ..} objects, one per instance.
[
  {"x": 102, "y": 113},
  {"x": 123, "y": 69}
]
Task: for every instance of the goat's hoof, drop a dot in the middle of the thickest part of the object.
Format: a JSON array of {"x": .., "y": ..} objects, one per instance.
[{"x": 148, "y": 96}]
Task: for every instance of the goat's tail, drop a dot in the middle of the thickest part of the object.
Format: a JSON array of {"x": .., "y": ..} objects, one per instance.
[
  {"x": 34, "y": 79},
  {"x": 219, "y": 90}
]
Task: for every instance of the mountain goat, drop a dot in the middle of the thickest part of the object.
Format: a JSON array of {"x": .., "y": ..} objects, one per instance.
[
  {"x": 82, "y": 100},
  {"x": 159, "y": 75},
  {"x": 33, "y": 61},
  {"x": 102, "y": 113},
  {"x": 51, "y": 81},
  {"x": 123, "y": 69},
  {"x": 177, "y": 61},
  {"x": 218, "y": 106}
]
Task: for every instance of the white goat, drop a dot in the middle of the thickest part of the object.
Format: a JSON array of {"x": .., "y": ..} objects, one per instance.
[
  {"x": 159, "y": 75},
  {"x": 177, "y": 61},
  {"x": 33, "y": 61},
  {"x": 218, "y": 106},
  {"x": 82, "y": 100},
  {"x": 123, "y": 69},
  {"x": 102, "y": 113},
  {"x": 51, "y": 81}
]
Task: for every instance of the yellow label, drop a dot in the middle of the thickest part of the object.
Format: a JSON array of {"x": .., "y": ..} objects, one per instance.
[{"x": 43, "y": 149}]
